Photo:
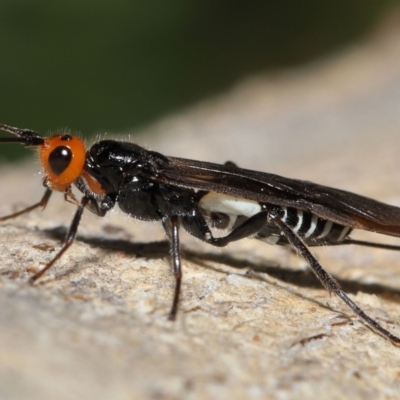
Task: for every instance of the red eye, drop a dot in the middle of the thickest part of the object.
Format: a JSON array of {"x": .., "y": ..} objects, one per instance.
[{"x": 63, "y": 158}]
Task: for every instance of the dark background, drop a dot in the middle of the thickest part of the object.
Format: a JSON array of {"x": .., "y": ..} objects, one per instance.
[{"x": 110, "y": 66}]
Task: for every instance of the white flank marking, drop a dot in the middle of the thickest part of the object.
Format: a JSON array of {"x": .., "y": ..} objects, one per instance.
[{"x": 230, "y": 205}]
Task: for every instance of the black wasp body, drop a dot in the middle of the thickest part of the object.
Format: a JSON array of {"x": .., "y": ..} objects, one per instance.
[
  {"x": 198, "y": 196},
  {"x": 131, "y": 175}
]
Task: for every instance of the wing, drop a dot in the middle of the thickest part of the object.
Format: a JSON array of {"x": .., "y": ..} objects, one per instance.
[{"x": 337, "y": 205}]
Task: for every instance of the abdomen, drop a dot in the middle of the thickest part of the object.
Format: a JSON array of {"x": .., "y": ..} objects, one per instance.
[{"x": 228, "y": 212}]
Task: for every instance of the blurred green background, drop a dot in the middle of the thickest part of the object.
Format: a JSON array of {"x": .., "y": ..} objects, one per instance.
[{"x": 96, "y": 66}]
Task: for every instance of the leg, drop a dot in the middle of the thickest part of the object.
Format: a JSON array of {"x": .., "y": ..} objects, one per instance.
[
  {"x": 171, "y": 226},
  {"x": 249, "y": 227},
  {"x": 68, "y": 240},
  {"x": 101, "y": 209},
  {"x": 197, "y": 226},
  {"x": 370, "y": 244},
  {"x": 42, "y": 203},
  {"x": 326, "y": 279}
]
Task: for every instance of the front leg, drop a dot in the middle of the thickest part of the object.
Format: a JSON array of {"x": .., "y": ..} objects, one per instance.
[
  {"x": 69, "y": 238},
  {"x": 42, "y": 203}
]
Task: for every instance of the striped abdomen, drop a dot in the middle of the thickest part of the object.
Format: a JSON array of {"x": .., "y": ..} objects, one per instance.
[
  {"x": 313, "y": 229},
  {"x": 228, "y": 212}
]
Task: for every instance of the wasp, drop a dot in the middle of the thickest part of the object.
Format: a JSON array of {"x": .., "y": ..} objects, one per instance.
[{"x": 198, "y": 196}]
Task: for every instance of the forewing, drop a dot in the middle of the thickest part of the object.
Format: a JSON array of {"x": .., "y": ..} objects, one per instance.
[{"x": 337, "y": 205}]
